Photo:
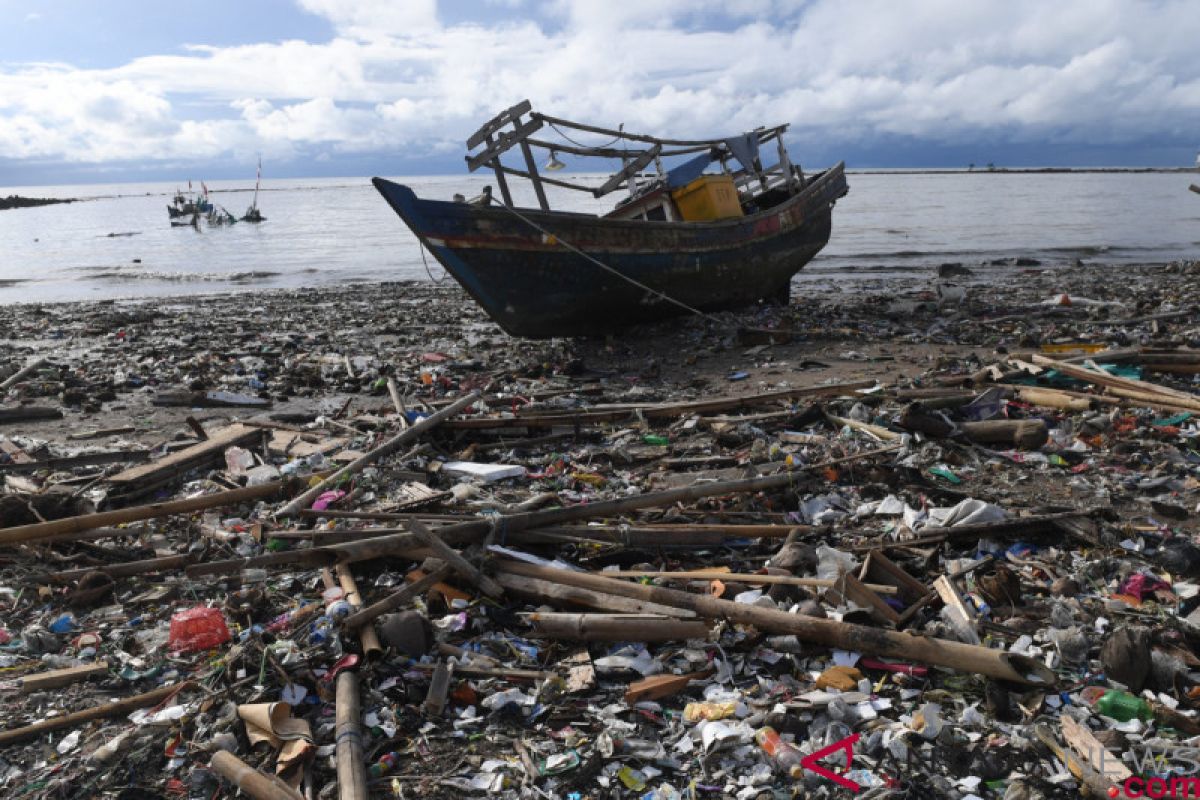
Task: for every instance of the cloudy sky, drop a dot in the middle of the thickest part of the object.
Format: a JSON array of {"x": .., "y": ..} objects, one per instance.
[{"x": 137, "y": 90}]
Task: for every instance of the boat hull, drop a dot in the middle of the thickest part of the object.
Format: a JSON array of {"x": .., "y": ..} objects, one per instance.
[{"x": 516, "y": 263}]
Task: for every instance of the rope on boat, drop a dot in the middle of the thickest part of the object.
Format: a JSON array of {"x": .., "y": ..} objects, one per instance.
[
  {"x": 421, "y": 246},
  {"x": 555, "y": 238}
]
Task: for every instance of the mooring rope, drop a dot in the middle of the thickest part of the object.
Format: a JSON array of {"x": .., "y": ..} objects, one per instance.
[
  {"x": 436, "y": 282},
  {"x": 559, "y": 240}
]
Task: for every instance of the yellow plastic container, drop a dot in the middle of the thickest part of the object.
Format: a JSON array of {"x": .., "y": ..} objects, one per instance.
[{"x": 707, "y": 198}]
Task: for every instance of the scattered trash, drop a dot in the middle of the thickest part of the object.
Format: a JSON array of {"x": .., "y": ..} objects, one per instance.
[{"x": 377, "y": 554}]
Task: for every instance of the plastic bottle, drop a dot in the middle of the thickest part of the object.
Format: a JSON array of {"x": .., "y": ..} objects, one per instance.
[
  {"x": 1120, "y": 706},
  {"x": 786, "y": 756}
]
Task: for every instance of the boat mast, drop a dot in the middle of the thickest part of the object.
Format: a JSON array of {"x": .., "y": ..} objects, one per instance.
[{"x": 257, "y": 181}]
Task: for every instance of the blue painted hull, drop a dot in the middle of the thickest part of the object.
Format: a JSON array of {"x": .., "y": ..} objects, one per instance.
[{"x": 533, "y": 286}]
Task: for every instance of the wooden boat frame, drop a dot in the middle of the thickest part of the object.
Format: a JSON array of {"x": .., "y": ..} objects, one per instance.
[{"x": 542, "y": 273}]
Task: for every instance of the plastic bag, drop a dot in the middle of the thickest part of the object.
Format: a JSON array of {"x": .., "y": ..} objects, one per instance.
[{"x": 199, "y": 628}]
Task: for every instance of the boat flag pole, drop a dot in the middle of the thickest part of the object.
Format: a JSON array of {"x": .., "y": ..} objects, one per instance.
[{"x": 257, "y": 181}]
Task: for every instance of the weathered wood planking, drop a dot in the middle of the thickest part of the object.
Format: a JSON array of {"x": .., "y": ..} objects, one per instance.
[{"x": 156, "y": 472}]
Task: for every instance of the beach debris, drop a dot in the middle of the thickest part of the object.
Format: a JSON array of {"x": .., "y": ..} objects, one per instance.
[{"x": 674, "y": 584}]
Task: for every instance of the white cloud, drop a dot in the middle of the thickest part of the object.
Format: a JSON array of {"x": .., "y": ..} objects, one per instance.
[{"x": 395, "y": 78}]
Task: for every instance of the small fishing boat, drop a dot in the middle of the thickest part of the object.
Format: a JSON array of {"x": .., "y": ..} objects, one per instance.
[
  {"x": 252, "y": 213},
  {"x": 716, "y": 231},
  {"x": 183, "y": 206}
]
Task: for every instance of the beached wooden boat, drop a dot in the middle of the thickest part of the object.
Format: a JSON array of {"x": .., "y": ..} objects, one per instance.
[{"x": 685, "y": 240}]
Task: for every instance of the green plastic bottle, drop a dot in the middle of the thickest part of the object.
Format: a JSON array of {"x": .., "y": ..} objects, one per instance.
[{"x": 1123, "y": 706}]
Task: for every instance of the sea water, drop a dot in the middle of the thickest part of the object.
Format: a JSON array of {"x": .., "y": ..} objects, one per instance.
[{"x": 117, "y": 241}]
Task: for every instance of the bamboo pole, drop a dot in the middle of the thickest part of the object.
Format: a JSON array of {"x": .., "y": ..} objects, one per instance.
[
  {"x": 740, "y": 577},
  {"x": 387, "y": 448},
  {"x": 397, "y": 599},
  {"x": 830, "y": 633},
  {"x": 87, "y": 522},
  {"x": 371, "y": 646},
  {"x": 351, "y": 772},
  {"x": 467, "y": 532},
  {"x": 116, "y": 708},
  {"x": 1162, "y": 401},
  {"x": 1101, "y": 378},
  {"x": 537, "y": 588},
  {"x": 452, "y": 557},
  {"x": 22, "y": 373},
  {"x": 1052, "y": 398},
  {"x": 617, "y": 627},
  {"x": 257, "y": 785}
]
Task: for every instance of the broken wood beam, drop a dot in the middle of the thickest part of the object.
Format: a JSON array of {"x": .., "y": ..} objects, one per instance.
[
  {"x": 387, "y": 448},
  {"x": 146, "y": 477},
  {"x": 827, "y": 632},
  {"x": 439, "y": 688},
  {"x": 86, "y": 522},
  {"x": 56, "y": 678}
]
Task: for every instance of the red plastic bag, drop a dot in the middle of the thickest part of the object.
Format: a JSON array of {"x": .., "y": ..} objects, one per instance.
[{"x": 199, "y": 628}]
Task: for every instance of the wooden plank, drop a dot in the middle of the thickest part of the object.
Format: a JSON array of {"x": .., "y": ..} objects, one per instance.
[
  {"x": 56, "y": 678},
  {"x": 497, "y": 122},
  {"x": 849, "y": 588},
  {"x": 189, "y": 458},
  {"x": 68, "y": 462},
  {"x": 632, "y": 168},
  {"x": 502, "y": 143},
  {"x": 962, "y": 618},
  {"x": 882, "y": 570},
  {"x": 1081, "y": 740}
]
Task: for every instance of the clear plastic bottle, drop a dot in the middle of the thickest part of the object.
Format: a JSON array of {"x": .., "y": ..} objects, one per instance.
[{"x": 785, "y": 756}]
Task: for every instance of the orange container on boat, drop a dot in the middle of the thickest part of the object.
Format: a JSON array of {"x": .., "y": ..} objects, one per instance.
[{"x": 707, "y": 198}]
